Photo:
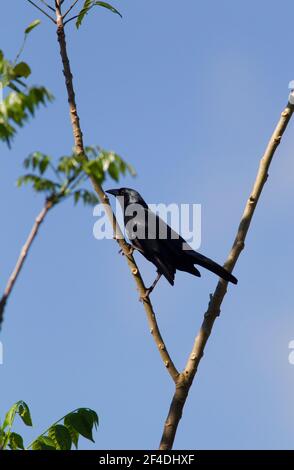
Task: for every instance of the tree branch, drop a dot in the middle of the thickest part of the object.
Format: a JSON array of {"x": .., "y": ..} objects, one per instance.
[
  {"x": 70, "y": 8},
  {"x": 186, "y": 378},
  {"x": 79, "y": 147},
  {"x": 43, "y": 11},
  {"x": 47, "y": 5},
  {"x": 70, "y": 19},
  {"x": 22, "y": 257}
]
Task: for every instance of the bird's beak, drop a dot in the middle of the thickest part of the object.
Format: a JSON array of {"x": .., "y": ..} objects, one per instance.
[{"x": 114, "y": 192}]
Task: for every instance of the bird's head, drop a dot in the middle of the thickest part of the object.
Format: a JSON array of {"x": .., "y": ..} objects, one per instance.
[{"x": 128, "y": 196}]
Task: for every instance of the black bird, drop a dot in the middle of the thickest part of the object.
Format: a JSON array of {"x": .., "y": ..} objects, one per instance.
[{"x": 159, "y": 243}]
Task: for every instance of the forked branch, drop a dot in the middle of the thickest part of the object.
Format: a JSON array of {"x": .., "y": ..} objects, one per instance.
[
  {"x": 183, "y": 380},
  {"x": 186, "y": 378},
  {"x": 70, "y": 8},
  {"x": 43, "y": 11}
]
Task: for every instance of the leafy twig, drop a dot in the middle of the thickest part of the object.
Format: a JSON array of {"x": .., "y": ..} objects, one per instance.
[
  {"x": 186, "y": 378},
  {"x": 58, "y": 436},
  {"x": 70, "y": 173},
  {"x": 46, "y": 431}
]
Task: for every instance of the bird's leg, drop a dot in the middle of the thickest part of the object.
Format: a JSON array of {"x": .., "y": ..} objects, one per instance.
[
  {"x": 150, "y": 289},
  {"x": 131, "y": 249}
]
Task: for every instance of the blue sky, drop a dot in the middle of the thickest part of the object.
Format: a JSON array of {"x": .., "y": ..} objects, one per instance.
[{"x": 189, "y": 93}]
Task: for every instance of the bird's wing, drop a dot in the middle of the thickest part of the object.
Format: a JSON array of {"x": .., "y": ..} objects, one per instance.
[
  {"x": 169, "y": 251},
  {"x": 145, "y": 236}
]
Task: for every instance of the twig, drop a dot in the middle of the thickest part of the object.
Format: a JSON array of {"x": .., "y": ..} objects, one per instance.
[
  {"x": 79, "y": 147},
  {"x": 47, "y": 5},
  {"x": 51, "y": 200},
  {"x": 43, "y": 11},
  {"x": 185, "y": 379},
  {"x": 70, "y": 8},
  {"x": 22, "y": 257},
  {"x": 21, "y": 50},
  {"x": 70, "y": 19}
]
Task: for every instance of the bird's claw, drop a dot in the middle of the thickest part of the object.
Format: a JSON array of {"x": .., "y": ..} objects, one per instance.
[
  {"x": 131, "y": 250},
  {"x": 144, "y": 297}
]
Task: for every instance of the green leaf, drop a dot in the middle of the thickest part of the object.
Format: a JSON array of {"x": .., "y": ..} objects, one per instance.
[
  {"x": 94, "y": 417},
  {"x": 37, "y": 445},
  {"x": 113, "y": 171},
  {"x": 109, "y": 7},
  {"x": 73, "y": 432},
  {"x": 10, "y": 415},
  {"x": 89, "y": 198},
  {"x": 82, "y": 421},
  {"x": 24, "y": 413},
  {"x": 22, "y": 409},
  {"x": 94, "y": 168},
  {"x": 70, "y": 166},
  {"x": 47, "y": 441},
  {"x": 39, "y": 184},
  {"x": 15, "y": 441},
  {"x": 22, "y": 70},
  {"x": 129, "y": 168},
  {"x": 37, "y": 160},
  {"x": 43, "y": 443},
  {"x": 77, "y": 195},
  {"x": 83, "y": 12},
  {"x": 3, "y": 437},
  {"x": 90, "y": 4},
  {"x": 18, "y": 105},
  {"x": 61, "y": 437},
  {"x": 32, "y": 26},
  {"x": 44, "y": 164}
]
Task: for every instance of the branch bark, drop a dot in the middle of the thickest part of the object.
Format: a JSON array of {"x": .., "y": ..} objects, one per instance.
[
  {"x": 22, "y": 257},
  {"x": 79, "y": 146},
  {"x": 186, "y": 378}
]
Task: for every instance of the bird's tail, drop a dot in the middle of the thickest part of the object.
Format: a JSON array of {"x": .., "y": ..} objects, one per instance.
[{"x": 213, "y": 267}]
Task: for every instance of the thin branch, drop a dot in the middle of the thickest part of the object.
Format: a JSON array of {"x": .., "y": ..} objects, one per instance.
[
  {"x": 55, "y": 171},
  {"x": 51, "y": 200},
  {"x": 187, "y": 376},
  {"x": 21, "y": 49},
  {"x": 22, "y": 257},
  {"x": 43, "y": 11},
  {"x": 70, "y": 8},
  {"x": 47, "y": 5},
  {"x": 81, "y": 178},
  {"x": 79, "y": 147},
  {"x": 70, "y": 19}
]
